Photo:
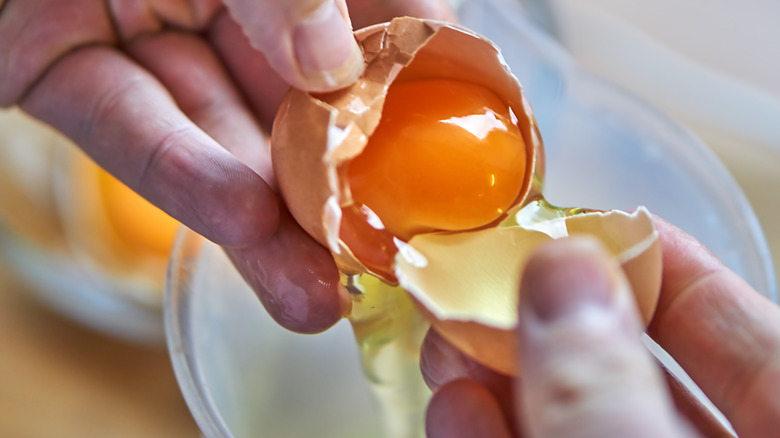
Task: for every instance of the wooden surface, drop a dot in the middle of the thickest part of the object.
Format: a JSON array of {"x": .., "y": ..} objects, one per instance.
[{"x": 58, "y": 379}]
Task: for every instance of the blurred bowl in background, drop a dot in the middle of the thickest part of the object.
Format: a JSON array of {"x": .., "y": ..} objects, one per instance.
[
  {"x": 711, "y": 64},
  {"x": 59, "y": 230},
  {"x": 242, "y": 375}
]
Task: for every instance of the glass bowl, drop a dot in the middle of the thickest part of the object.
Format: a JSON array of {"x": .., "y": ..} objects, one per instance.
[
  {"x": 242, "y": 375},
  {"x": 56, "y": 237}
]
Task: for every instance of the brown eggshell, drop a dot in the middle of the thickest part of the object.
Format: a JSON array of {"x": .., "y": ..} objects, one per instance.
[
  {"x": 314, "y": 135},
  {"x": 466, "y": 283}
]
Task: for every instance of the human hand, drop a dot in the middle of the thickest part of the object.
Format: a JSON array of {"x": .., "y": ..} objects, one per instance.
[
  {"x": 585, "y": 372},
  {"x": 171, "y": 97}
]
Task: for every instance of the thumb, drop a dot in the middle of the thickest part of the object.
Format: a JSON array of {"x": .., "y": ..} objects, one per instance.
[
  {"x": 308, "y": 42},
  {"x": 585, "y": 370}
]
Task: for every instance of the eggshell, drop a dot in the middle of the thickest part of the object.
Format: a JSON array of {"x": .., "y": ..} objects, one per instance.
[
  {"x": 467, "y": 283},
  {"x": 314, "y": 135}
]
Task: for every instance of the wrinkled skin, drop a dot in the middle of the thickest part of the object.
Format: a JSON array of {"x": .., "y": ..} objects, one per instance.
[
  {"x": 174, "y": 98},
  {"x": 585, "y": 372}
]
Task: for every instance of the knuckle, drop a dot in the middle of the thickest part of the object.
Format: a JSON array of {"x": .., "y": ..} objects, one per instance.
[
  {"x": 207, "y": 189},
  {"x": 138, "y": 18},
  {"x": 36, "y": 34}
]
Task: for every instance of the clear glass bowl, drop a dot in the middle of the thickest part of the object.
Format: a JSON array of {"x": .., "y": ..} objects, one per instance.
[
  {"x": 56, "y": 237},
  {"x": 244, "y": 376},
  {"x": 241, "y": 374}
]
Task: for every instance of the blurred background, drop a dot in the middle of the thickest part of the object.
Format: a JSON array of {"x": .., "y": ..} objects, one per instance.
[
  {"x": 81, "y": 287},
  {"x": 713, "y": 65}
]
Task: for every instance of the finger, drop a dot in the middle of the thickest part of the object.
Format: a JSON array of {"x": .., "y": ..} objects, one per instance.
[
  {"x": 585, "y": 370},
  {"x": 441, "y": 363},
  {"x": 35, "y": 33},
  {"x": 695, "y": 411},
  {"x": 308, "y": 42},
  {"x": 724, "y": 334},
  {"x": 188, "y": 68},
  {"x": 295, "y": 278},
  {"x": 464, "y": 409},
  {"x": 122, "y": 117},
  {"x": 146, "y": 17},
  {"x": 261, "y": 85},
  {"x": 367, "y": 12}
]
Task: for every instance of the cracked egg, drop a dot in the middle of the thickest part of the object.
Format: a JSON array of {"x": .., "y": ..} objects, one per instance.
[{"x": 427, "y": 174}]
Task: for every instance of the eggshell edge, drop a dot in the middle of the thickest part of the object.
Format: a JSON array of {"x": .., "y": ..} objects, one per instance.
[{"x": 630, "y": 237}]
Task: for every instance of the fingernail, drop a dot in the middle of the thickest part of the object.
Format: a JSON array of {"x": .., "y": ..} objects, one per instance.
[
  {"x": 328, "y": 55},
  {"x": 567, "y": 276}
]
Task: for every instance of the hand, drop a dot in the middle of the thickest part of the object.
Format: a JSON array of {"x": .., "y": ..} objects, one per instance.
[
  {"x": 585, "y": 372},
  {"x": 171, "y": 97}
]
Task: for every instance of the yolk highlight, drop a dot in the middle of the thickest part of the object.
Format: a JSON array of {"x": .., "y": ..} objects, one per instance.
[
  {"x": 445, "y": 156},
  {"x": 137, "y": 222}
]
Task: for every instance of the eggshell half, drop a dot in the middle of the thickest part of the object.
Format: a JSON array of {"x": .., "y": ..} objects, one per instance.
[
  {"x": 467, "y": 283},
  {"x": 315, "y": 135}
]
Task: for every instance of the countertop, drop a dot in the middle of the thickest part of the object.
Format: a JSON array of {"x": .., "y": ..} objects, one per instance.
[{"x": 59, "y": 379}]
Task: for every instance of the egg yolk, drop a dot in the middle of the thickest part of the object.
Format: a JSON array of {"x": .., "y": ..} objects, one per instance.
[
  {"x": 138, "y": 223},
  {"x": 446, "y": 156}
]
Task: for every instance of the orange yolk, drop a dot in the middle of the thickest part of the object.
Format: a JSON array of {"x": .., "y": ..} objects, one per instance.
[
  {"x": 137, "y": 222},
  {"x": 447, "y": 155}
]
